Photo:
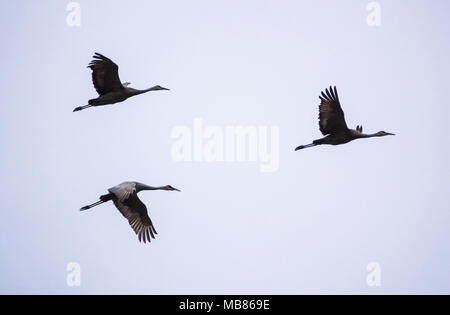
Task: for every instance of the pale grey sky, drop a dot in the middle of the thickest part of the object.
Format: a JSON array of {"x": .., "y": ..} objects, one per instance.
[{"x": 311, "y": 227}]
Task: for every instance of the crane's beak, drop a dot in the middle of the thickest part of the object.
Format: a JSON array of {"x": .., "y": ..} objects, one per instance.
[
  {"x": 177, "y": 189},
  {"x": 390, "y": 134},
  {"x": 165, "y": 89}
]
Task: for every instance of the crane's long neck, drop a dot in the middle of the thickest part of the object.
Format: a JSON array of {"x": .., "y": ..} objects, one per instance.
[
  {"x": 372, "y": 135},
  {"x": 153, "y": 88},
  {"x": 141, "y": 187},
  {"x": 133, "y": 92}
]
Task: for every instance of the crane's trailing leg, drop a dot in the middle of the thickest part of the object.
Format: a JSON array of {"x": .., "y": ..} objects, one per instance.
[
  {"x": 81, "y": 108},
  {"x": 305, "y": 146},
  {"x": 103, "y": 199},
  {"x": 92, "y": 205}
]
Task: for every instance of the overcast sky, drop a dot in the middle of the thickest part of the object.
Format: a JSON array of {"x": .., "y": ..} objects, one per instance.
[{"x": 311, "y": 226}]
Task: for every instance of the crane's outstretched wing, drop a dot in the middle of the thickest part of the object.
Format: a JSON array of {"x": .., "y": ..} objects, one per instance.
[
  {"x": 331, "y": 115},
  {"x": 105, "y": 74},
  {"x": 135, "y": 211}
]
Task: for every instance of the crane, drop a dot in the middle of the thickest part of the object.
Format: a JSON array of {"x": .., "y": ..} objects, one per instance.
[
  {"x": 105, "y": 76},
  {"x": 332, "y": 123},
  {"x": 124, "y": 196}
]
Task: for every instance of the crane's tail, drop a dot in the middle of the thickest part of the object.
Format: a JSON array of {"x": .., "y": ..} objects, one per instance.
[
  {"x": 81, "y": 108},
  {"x": 305, "y": 146}
]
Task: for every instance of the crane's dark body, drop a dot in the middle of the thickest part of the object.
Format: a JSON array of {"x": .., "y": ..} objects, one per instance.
[
  {"x": 340, "y": 137},
  {"x": 332, "y": 123},
  {"x": 105, "y": 77},
  {"x": 124, "y": 196}
]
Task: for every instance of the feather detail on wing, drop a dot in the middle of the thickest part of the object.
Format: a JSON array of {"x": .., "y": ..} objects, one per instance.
[
  {"x": 105, "y": 75},
  {"x": 331, "y": 115},
  {"x": 135, "y": 211}
]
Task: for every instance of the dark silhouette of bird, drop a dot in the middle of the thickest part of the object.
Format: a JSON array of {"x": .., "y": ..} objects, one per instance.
[
  {"x": 105, "y": 76},
  {"x": 124, "y": 196},
  {"x": 332, "y": 123}
]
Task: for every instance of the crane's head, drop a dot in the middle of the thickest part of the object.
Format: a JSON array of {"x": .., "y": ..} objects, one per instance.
[
  {"x": 159, "y": 88},
  {"x": 384, "y": 133},
  {"x": 170, "y": 188}
]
